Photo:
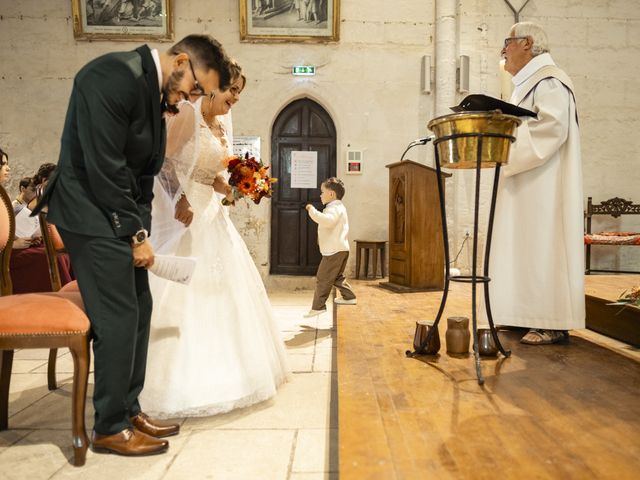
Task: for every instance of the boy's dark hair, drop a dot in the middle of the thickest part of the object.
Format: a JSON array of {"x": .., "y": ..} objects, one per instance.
[
  {"x": 26, "y": 182},
  {"x": 207, "y": 53},
  {"x": 335, "y": 184},
  {"x": 44, "y": 172}
]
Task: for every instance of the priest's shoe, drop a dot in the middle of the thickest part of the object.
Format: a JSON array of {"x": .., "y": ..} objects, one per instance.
[
  {"x": 155, "y": 428},
  {"x": 129, "y": 441}
]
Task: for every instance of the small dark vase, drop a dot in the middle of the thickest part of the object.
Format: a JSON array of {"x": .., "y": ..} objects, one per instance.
[
  {"x": 486, "y": 346},
  {"x": 458, "y": 335},
  {"x": 422, "y": 329}
]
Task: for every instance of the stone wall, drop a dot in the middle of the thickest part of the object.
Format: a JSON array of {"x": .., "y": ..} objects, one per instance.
[{"x": 369, "y": 83}]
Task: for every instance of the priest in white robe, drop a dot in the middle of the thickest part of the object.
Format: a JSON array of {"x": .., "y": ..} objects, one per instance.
[{"x": 536, "y": 265}]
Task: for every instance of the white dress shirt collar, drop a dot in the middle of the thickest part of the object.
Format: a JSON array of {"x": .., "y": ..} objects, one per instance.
[
  {"x": 156, "y": 60},
  {"x": 535, "y": 64}
]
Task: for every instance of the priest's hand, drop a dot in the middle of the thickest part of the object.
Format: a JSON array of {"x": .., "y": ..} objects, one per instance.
[{"x": 184, "y": 212}]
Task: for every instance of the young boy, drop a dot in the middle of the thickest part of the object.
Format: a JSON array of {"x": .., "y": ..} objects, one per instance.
[{"x": 333, "y": 228}]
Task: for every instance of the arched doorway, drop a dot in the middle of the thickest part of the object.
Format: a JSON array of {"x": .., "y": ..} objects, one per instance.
[{"x": 302, "y": 126}]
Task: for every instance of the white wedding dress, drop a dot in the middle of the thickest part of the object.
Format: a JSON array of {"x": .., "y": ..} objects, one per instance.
[{"x": 214, "y": 345}]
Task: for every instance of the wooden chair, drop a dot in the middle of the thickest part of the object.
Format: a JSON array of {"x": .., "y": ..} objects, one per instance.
[
  {"x": 41, "y": 320},
  {"x": 614, "y": 207},
  {"x": 375, "y": 246},
  {"x": 54, "y": 247}
]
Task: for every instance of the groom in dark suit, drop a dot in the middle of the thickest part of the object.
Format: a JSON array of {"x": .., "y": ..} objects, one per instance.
[{"x": 100, "y": 199}]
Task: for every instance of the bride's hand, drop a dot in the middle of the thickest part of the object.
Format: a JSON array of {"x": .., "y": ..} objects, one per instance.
[
  {"x": 229, "y": 196},
  {"x": 220, "y": 185},
  {"x": 184, "y": 212}
]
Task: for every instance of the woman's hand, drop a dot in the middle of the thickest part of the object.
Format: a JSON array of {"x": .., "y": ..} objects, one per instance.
[
  {"x": 36, "y": 240},
  {"x": 21, "y": 243},
  {"x": 221, "y": 185},
  {"x": 183, "y": 211}
]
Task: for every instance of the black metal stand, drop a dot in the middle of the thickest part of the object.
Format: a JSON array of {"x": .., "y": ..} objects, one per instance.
[{"x": 474, "y": 278}]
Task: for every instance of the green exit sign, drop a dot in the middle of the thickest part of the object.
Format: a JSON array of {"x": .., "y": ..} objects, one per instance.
[{"x": 303, "y": 70}]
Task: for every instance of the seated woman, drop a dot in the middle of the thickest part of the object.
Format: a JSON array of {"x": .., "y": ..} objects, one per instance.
[{"x": 28, "y": 266}]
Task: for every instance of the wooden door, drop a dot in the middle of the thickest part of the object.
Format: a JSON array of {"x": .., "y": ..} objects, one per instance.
[{"x": 302, "y": 126}]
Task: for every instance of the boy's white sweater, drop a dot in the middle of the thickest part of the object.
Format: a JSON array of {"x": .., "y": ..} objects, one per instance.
[{"x": 333, "y": 227}]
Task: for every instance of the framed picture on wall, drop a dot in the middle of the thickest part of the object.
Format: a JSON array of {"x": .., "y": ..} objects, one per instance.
[
  {"x": 122, "y": 20},
  {"x": 310, "y": 21}
]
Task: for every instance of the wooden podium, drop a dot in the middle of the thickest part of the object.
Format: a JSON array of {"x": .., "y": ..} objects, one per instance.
[{"x": 416, "y": 252}]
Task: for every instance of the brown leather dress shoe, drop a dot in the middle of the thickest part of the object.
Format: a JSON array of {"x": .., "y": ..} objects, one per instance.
[
  {"x": 128, "y": 442},
  {"x": 155, "y": 428}
]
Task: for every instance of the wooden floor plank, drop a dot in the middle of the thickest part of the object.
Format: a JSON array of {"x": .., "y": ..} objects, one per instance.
[{"x": 558, "y": 411}]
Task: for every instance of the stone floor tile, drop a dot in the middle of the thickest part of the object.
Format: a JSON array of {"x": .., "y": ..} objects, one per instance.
[
  {"x": 302, "y": 341},
  {"x": 36, "y": 353},
  {"x": 288, "y": 298},
  {"x": 292, "y": 318},
  {"x": 110, "y": 467},
  {"x": 314, "y": 476},
  {"x": 24, "y": 390},
  {"x": 11, "y": 437},
  {"x": 326, "y": 338},
  {"x": 303, "y": 402},
  {"x": 300, "y": 362},
  {"x": 52, "y": 411},
  {"x": 234, "y": 454},
  {"x": 64, "y": 366},
  {"x": 313, "y": 451},
  {"x": 325, "y": 360},
  {"x": 38, "y": 455},
  {"x": 26, "y": 366}
]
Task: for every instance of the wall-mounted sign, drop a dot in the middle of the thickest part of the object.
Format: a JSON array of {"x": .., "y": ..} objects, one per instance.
[
  {"x": 304, "y": 169},
  {"x": 306, "y": 70}
]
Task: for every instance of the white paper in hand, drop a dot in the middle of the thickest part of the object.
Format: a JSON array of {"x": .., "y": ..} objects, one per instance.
[
  {"x": 176, "y": 269},
  {"x": 26, "y": 226}
]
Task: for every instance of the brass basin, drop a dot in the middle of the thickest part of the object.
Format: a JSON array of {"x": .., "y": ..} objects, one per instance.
[{"x": 461, "y": 150}]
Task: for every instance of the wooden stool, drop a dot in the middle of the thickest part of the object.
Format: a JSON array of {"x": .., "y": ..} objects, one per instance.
[{"x": 375, "y": 246}]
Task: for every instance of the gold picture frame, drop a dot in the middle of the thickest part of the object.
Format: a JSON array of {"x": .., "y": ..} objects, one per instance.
[
  {"x": 122, "y": 21},
  {"x": 304, "y": 21}
]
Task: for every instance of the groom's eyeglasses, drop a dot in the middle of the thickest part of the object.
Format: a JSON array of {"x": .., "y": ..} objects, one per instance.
[{"x": 197, "y": 90}]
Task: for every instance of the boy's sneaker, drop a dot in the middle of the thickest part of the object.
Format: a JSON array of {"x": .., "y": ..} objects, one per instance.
[
  {"x": 342, "y": 301},
  {"x": 313, "y": 313}
]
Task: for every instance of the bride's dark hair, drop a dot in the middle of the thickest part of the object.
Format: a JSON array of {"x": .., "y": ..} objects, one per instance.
[
  {"x": 207, "y": 53},
  {"x": 236, "y": 72}
]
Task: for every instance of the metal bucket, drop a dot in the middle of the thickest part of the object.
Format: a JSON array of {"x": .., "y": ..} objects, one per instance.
[{"x": 458, "y": 134}]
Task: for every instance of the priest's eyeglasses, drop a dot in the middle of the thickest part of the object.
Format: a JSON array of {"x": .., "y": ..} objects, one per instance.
[
  {"x": 197, "y": 90},
  {"x": 508, "y": 40}
]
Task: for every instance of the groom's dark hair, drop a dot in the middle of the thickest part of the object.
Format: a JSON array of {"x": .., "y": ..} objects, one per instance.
[
  {"x": 336, "y": 185},
  {"x": 207, "y": 53}
]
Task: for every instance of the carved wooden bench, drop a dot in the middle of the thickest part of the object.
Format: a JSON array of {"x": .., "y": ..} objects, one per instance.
[{"x": 614, "y": 207}]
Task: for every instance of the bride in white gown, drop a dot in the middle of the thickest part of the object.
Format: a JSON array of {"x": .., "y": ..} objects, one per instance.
[{"x": 215, "y": 345}]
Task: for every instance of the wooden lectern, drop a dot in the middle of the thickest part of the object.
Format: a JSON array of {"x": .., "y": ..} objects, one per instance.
[{"x": 416, "y": 252}]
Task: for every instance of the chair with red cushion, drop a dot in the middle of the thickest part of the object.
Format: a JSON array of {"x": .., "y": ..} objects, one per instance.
[
  {"x": 41, "y": 320},
  {"x": 54, "y": 247}
]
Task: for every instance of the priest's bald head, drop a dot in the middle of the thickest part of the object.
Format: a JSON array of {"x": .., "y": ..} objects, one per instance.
[{"x": 525, "y": 41}]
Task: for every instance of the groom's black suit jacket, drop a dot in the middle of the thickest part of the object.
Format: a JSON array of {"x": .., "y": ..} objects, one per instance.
[{"x": 112, "y": 146}]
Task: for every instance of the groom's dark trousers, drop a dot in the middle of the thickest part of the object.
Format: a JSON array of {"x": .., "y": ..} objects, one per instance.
[
  {"x": 118, "y": 302},
  {"x": 99, "y": 197}
]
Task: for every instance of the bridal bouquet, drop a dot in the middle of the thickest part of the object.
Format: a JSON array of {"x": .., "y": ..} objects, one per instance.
[{"x": 248, "y": 178}]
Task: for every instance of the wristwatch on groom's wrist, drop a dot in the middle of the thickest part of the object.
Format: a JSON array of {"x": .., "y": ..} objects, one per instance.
[{"x": 139, "y": 238}]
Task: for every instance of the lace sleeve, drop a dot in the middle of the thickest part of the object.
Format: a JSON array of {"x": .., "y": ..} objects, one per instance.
[{"x": 181, "y": 151}]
